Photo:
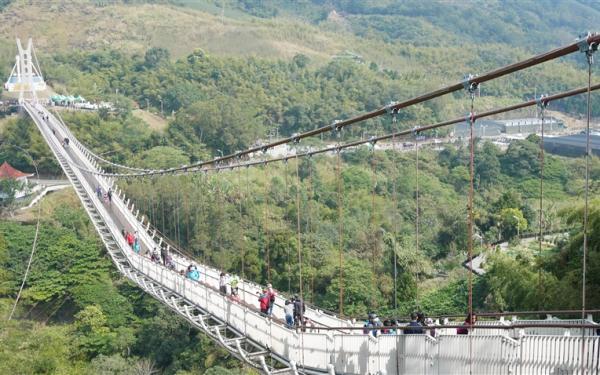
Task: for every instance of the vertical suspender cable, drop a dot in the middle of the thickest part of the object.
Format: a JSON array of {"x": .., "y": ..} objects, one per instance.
[
  {"x": 311, "y": 197},
  {"x": 187, "y": 205},
  {"x": 266, "y": 223},
  {"x": 395, "y": 212},
  {"x": 247, "y": 198},
  {"x": 220, "y": 215},
  {"x": 199, "y": 206},
  {"x": 372, "y": 227},
  {"x": 590, "y": 60},
  {"x": 287, "y": 197},
  {"x": 541, "y": 301},
  {"x": 417, "y": 213},
  {"x": 175, "y": 210},
  {"x": 242, "y": 221},
  {"x": 340, "y": 229},
  {"x": 472, "y": 89},
  {"x": 35, "y": 241},
  {"x": 162, "y": 212},
  {"x": 299, "y": 247},
  {"x": 298, "y": 232}
]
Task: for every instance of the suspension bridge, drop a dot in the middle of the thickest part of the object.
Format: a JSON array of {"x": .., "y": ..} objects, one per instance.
[{"x": 335, "y": 344}]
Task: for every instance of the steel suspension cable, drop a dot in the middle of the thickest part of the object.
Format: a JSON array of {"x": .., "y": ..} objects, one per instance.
[
  {"x": 340, "y": 230},
  {"x": 338, "y": 125},
  {"x": 203, "y": 168}
]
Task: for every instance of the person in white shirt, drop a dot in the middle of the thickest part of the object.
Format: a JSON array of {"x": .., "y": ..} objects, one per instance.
[
  {"x": 289, "y": 313},
  {"x": 223, "y": 284}
]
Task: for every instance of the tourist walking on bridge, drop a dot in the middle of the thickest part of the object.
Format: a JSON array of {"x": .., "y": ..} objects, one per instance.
[
  {"x": 469, "y": 321},
  {"x": 164, "y": 252},
  {"x": 223, "y": 283},
  {"x": 263, "y": 300},
  {"x": 192, "y": 273},
  {"x": 272, "y": 297},
  {"x": 234, "y": 283},
  {"x": 136, "y": 246},
  {"x": 288, "y": 308},
  {"x": 415, "y": 326},
  {"x": 299, "y": 310},
  {"x": 130, "y": 239}
]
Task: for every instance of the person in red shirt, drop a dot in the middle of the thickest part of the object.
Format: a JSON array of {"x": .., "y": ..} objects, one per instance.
[
  {"x": 263, "y": 300},
  {"x": 130, "y": 239},
  {"x": 469, "y": 321}
]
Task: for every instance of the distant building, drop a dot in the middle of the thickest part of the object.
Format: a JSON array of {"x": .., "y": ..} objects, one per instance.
[
  {"x": 572, "y": 145},
  {"x": 8, "y": 172},
  {"x": 491, "y": 128}
]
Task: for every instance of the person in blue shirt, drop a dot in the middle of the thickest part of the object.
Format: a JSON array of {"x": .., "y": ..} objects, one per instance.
[
  {"x": 192, "y": 273},
  {"x": 416, "y": 327}
]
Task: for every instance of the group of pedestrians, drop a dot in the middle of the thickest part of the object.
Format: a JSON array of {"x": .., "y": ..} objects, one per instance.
[
  {"x": 294, "y": 309},
  {"x": 418, "y": 325},
  {"x": 133, "y": 240},
  {"x": 104, "y": 196},
  {"x": 229, "y": 286},
  {"x": 266, "y": 300}
]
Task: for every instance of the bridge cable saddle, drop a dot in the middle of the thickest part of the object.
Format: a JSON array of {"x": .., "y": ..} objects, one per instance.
[
  {"x": 470, "y": 84},
  {"x": 372, "y": 141},
  {"x": 542, "y": 101},
  {"x": 586, "y": 47},
  {"x": 390, "y": 108},
  {"x": 334, "y": 126}
]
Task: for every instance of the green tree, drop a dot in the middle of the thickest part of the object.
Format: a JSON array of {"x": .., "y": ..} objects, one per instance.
[
  {"x": 155, "y": 56},
  {"x": 92, "y": 336},
  {"x": 512, "y": 221}
]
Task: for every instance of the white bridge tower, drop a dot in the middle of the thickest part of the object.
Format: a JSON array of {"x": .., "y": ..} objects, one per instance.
[{"x": 26, "y": 75}]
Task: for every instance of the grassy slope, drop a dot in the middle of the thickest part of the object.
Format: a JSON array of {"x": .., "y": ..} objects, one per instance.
[
  {"x": 78, "y": 24},
  {"x": 81, "y": 25}
]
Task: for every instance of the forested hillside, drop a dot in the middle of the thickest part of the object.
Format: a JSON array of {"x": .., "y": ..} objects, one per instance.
[
  {"x": 229, "y": 74},
  {"x": 534, "y": 24}
]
